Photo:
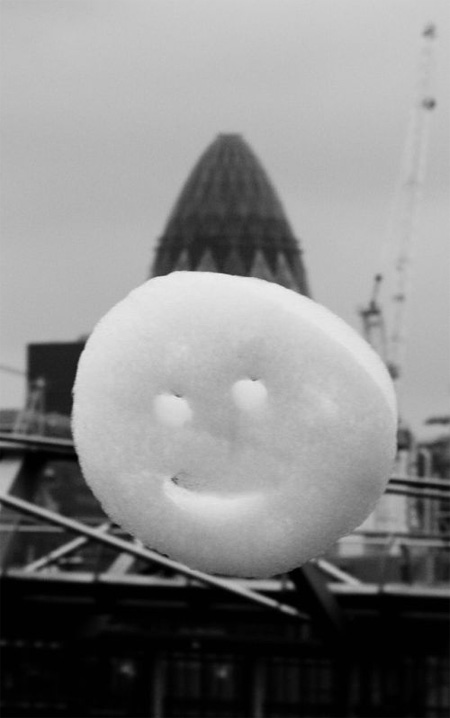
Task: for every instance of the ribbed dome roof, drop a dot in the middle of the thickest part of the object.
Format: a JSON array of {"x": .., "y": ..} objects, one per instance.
[{"x": 229, "y": 219}]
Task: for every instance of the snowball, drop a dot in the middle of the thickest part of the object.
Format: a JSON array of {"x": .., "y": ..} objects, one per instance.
[{"x": 232, "y": 424}]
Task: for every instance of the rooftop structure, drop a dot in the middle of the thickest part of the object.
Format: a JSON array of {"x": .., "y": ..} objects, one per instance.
[{"x": 228, "y": 218}]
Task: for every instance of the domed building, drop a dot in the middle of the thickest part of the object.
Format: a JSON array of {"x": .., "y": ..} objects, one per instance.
[{"x": 228, "y": 218}]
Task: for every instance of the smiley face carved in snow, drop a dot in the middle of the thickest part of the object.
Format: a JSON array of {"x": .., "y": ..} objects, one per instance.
[{"x": 232, "y": 424}]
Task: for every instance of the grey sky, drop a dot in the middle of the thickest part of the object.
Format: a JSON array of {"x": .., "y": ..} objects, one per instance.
[{"x": 107, "y": 105}]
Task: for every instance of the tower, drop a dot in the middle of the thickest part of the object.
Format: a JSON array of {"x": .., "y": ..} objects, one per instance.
[{"x": 228, "y": 218}]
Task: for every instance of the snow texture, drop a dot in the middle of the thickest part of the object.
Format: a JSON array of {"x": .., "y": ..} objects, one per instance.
[{"x": 232, "y": 424}]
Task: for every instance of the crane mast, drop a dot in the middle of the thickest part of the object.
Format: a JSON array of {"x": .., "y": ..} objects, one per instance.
[
  {"x": 410, "y": 195},
  {"x": 402, "y": 230}
]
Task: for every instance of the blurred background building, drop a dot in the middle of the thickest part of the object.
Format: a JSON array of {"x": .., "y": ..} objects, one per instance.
[{"x": 95, "y": 624}]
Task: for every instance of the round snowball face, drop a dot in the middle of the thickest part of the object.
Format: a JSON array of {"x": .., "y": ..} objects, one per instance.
[{"x": 232, "y": 424}]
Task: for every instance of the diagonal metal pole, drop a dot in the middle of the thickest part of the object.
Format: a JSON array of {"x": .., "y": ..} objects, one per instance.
[
  {"x": 81, "y": 529},
  {"x": 36, "y": 442},
  {"x": 61, "y": 551},
  {"x": 331, "y": 570},
  {"x": 420, "y": 482},
  {"x": 422, "y": 494}
]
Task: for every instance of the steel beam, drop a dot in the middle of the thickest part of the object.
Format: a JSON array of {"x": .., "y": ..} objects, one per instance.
[
  {"x": 9, "y": 471},
  {"x": 314, "y": 595},
  {"x": 331, "y": 570},
  {"x": 36, "y": 442},
  {"x": 230, "y": 586},
  {"x": 61, "y": 551}
]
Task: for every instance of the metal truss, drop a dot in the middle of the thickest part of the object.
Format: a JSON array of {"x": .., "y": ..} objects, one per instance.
[
  {"x": 102, "y": 536},
  {"x": 311, "y": 582}
]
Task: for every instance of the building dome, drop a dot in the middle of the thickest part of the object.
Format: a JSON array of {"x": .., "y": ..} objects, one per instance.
[{"x": 228, "y": 218}]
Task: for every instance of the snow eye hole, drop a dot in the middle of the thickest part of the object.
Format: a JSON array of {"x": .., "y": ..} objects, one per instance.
[
  {"x": 172, "y": 409},
  {"x": 249, "y": 394}
]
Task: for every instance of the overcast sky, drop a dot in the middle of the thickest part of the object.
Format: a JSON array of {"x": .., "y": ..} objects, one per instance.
[{"x": 107, "y": 104}]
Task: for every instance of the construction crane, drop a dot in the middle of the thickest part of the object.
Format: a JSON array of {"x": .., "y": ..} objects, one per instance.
[{"x": 390, "y": 344}]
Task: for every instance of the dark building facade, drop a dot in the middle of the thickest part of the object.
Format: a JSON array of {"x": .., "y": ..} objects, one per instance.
[{"x": 55, "y": 363}]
